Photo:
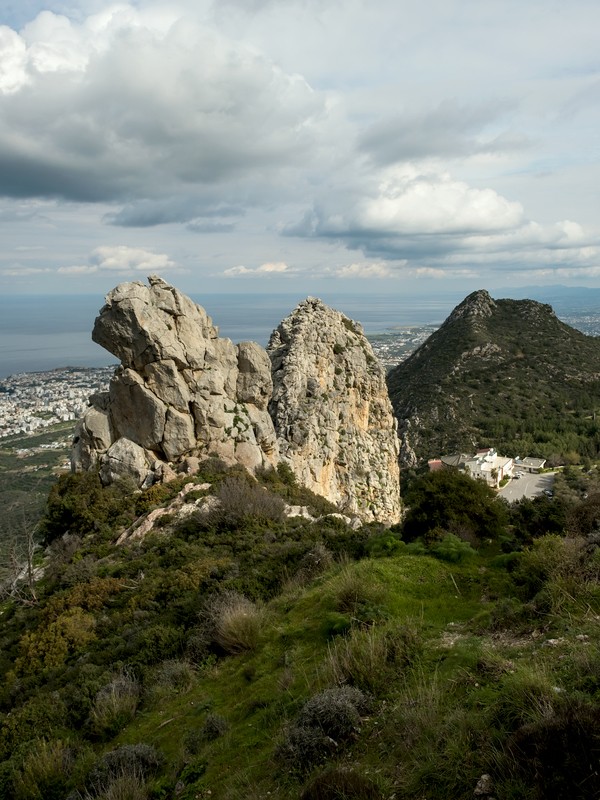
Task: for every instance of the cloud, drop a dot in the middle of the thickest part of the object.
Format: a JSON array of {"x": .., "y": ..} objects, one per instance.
[
  {"x": 432, "y": 221},
  {"x": 121, "y": 259},
  {"x": 134, "y": 105},
  {"x": 203, "y": 226},
  {"x": 405, "y": 201},
  {"x": 22, "y": 272},
  {"x": 377, "y": 270},
  {"x": 270, "y": 268},
  {"x": 449, "y": 130}
]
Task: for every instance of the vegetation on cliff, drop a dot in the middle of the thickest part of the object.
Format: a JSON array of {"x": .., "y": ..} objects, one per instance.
[{"x": 234, "y": 652}]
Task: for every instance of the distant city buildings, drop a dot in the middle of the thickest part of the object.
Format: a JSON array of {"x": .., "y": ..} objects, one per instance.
[{"x": 34, "y": 400}]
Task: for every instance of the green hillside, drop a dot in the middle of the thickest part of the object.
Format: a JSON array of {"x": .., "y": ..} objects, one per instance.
[
  {"x": 235, "y": 653},
  {"x": 29, "y": 465},
  {"x": 502, "y": 373}
]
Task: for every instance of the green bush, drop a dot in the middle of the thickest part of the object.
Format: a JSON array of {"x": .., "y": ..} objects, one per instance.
[
  {"x": 452, "y": 549},
  {"x": 372, "y": 658},
  {"x": 36, "y": 718},
  {"x": 213, "y": 727},
  {"x": 174, "y": 676},
  {"x": 335, "y": 711},
  {"x": 326, "y": 721},
  {"x": 128, "y": 766},
  {"x": 558, "y": 753},
  {"x": 455, "y": 502},
  {"x": 115, "y": 705},
  {"x": 79, "y": 504},
  {"x": 337, "y": 783},
  {"x": 243, "y": 502},
  {"x": 236, "y": 622},
  {"x": 45, "y": 772}
]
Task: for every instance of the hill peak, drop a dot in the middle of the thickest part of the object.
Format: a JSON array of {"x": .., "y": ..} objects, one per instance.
[
  {"x": 503, "y": 373},
  {"x": 477, "y": 304}
]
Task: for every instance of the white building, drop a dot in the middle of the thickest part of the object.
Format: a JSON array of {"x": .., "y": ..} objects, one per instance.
[{"x": 487, "y": 465}]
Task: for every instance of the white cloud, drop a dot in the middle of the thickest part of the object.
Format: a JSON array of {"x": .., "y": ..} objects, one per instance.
[
  {"x": 22, "y": 272},
  {"x": 269, "y": 268},
  {"x": 131, "y": 105},
  {"x": 377, "y": 270},
  {"x": 215, "y": 124},
  {"x": 121, "y": 259},
  {"x": 412, "y": 200}
]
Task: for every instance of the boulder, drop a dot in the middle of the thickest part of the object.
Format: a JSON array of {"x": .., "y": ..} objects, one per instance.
[{"x": 180, "y": 390}]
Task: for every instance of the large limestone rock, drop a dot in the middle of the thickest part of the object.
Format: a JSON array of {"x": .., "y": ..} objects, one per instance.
[
  {"x": 317, "y": 400},
  {"x": 332, "y": 413},
  {"x": 180, "y": 390}
]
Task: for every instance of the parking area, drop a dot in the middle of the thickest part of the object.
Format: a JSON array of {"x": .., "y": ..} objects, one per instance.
[{"x": 528, "y": 485}]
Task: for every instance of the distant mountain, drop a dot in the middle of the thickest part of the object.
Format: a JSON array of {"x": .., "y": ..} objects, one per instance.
[{"x": 506, "y": 373}]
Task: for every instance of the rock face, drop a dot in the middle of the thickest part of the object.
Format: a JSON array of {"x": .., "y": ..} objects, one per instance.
[
  {"x": 332, "y": 413},
  {"x": 180, "y": 390},
  {"x": 317, "y": 400}
]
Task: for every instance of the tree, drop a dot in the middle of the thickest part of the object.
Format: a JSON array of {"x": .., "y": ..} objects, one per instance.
[
  {"x": 20, "y": 581},
  {"x": 454, "y": 502}
]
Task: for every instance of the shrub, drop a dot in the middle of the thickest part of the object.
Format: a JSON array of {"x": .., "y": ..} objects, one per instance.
[
  {"x": 370, "y": 659},
  {"x": 316, "y": 561},
  {"x": 241, "y": 502},
  {"x": 172, "y": 676},
  {"x": 213, "y": 727},
  {"x": 35, "y": 719},
  {"x": 50, "y": 645},
  {"x": 129, "y": 765},
  {"x": 115, "y": 705},
  {"x": 455, "y": 502},
  {"x": 236, "y": 622},
  {"x": 452, "y": 549},
  {"x": 335, "y": 711},
  {"x": 157, "y": 642},
  {"x": 302, "y": 748},
  {"x": 45, "y": 771},
  {"x": 335, "y": 783},
  {"x": 386, "y": 543},
  {"x": 558, "y": 753},
  {"x": 325, "y": 722},
  {"x": 127, "y": 786},
  {"x": 356, "y": 592},
  {"x": 79, "y": 503}
]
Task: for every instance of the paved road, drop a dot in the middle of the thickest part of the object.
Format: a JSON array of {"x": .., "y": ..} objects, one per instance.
[{"x": 530, "y": 485}]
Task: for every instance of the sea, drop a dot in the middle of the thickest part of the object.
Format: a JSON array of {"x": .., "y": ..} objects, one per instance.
[{"x": 44, "y": 332}]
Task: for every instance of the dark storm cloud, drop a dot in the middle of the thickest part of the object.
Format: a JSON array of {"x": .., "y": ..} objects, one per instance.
[{"x": 135, "y": 114}]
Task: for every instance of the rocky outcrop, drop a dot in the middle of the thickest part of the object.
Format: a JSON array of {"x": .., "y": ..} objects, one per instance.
[
  {"x": 180, "y": 390},
  {"x": 317, "y": 400},
  {"x": 332, "y": 413}
]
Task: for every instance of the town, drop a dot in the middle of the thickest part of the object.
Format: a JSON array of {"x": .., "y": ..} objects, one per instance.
[{"x": 35, "y": 400}]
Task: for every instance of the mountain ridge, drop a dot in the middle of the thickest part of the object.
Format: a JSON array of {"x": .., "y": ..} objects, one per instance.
[{"x": 501, "y": 372}]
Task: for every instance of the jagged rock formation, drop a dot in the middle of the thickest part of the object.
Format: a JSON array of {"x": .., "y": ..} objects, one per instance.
[
  {"x": 332, "y": 413},
  {"x": 183, "y": 393},
  {"x": 180, "y": 390},
  {"x": 502, "y": 373}
]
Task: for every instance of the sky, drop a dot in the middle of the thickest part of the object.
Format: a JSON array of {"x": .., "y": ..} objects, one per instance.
[{"x": 262, "y": 146}]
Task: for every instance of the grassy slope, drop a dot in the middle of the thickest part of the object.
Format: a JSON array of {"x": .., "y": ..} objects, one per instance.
[
  {"x": 468, "y": 664},
  {"x": 257, "y": 692}
]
